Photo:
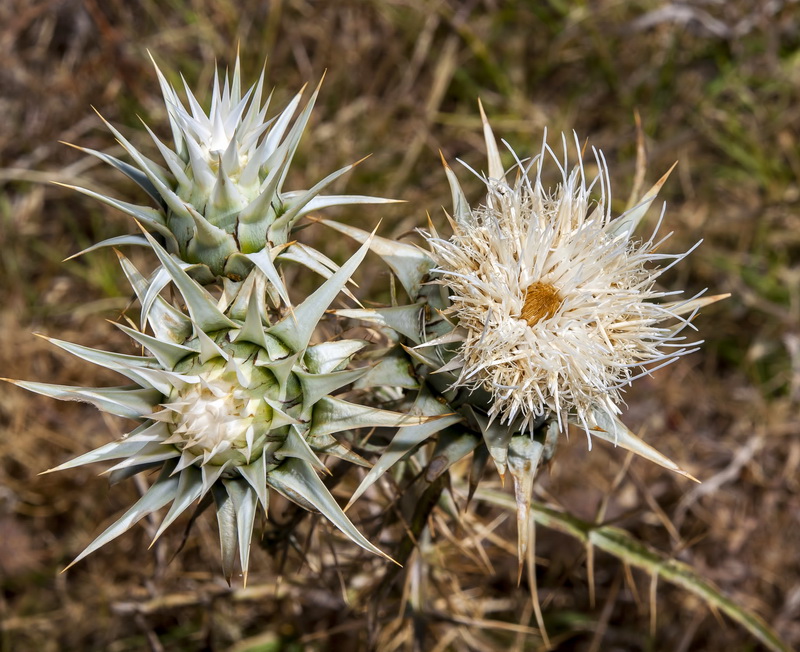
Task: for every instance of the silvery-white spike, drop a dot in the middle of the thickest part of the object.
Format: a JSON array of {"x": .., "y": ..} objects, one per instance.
[
  {"x": 408, "y": 438},
  {"x": 211, "y": 244},
  {"x": 410, "y": 264},
  {"x": 209, "y": 349},
  {"x": 168, "y": 323},
  {"x": 627, "y": 222},
  {"x": 175, "y": 164},
  {"x": 326, "y": 357},
  {"x": 611, "y": 429},
  {"x": 167, "y": 353},
  {"x": 132, "y": 403},
  {"x": 297, "y": 480},
  {"x": 244, "y": 504},
  {"x": 496, "y": 170},
  {"x": 128, "y": 170},
  {"x": 112, "y": 242},
  {"x": 263, "y": 260},
  {"x": 158, "y": 495},
  {"x": 296, "y": 328},
  {"x": 333, "y": 415},
  {"x": 202, "y": 308},
  {"x": 295, "y": 445},
  {"x": 406, "y": 320},
  {"x": 461, "y": 210},
  {"x": 255, "y": 473},
  {"x": 275, "y": 135},
  {"x": 189, "y": 490},
  {"x": 315, "y": 386}
]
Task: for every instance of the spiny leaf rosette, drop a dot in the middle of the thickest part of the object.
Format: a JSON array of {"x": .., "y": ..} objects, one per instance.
[
  {"x": 538, "y": 310},
  {"x": 230, "y": 402},
  {"x": 219, "y": 203}
]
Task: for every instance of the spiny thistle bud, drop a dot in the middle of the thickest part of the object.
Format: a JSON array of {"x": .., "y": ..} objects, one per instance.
[
  {"x": 539, "y": 309},
  {"x": 230, "y": 401},
  {"x": 220, "y": 200}
]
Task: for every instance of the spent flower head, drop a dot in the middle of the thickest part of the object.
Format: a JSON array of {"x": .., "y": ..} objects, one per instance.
[
  {"x": 556, "y": 303},
  {"x": 538, "y": 311}
]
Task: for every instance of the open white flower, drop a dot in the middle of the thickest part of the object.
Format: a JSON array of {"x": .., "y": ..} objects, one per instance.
[{"x": 556, "y": 303}]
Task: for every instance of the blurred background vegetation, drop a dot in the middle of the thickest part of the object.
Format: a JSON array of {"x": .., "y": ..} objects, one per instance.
[{"x": 716, "y": 85}]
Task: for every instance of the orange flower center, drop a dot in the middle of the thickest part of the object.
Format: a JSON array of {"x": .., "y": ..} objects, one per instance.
[{"x": 541, "y": 302}]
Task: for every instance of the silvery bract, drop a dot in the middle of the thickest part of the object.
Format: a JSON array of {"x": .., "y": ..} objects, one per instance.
[
  {"x": 537, "y": 311},
  {"x": 219, "y": 203}
]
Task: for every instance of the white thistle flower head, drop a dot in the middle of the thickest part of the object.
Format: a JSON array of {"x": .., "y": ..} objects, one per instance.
[
  {"x": 223, "y": 417},
  {"x": 556, "y": 302}
]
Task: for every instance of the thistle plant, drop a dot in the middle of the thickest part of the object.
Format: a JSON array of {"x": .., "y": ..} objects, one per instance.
[{"x": 534, "y": 314}]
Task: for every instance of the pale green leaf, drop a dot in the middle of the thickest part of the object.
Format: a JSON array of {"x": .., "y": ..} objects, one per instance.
[
  {"x": 129, "y": 402},
  {"x": 189, "y": 490},
  {"x": 136, "y": 175},
  {"x": 451, "y": 447},
  {"x": 392, "y": 370},
  {"x": 406, "y": 320},
  {"x": 168, "y": 323},
  {"x": 315, "y": 386},
  {"x": 296, "y": 446},
  {"x": 296, "y": 477},
  {"x": 202, "y": 307},
  {"x": 263, "y": 260},
  {"x": 113, "y": 242},
  {"x": 111, "y": 451},
  {"x": 167, "y": 353},
  {"x": 329, "y": 445},
  {"x": 406, "y": 440},
  {"x": 409, "y": 263},
  {"x": 331, "y": 356},
  {"x": 255, "y": 474},
  {"x": 497, "y": 437},
  {"x": 244, "y": 503},
  {"x": 296, "y": 328},
  {"x": 228, "y": 532},
  {"x": 611, "y": 429},
  {"x": 335, "y": 415}
]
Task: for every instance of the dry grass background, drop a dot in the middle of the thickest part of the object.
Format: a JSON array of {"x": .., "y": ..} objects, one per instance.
[{"x": 716, "y": 84}]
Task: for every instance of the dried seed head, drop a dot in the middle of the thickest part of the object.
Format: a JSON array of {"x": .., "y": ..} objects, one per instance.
[{"x": 557, "y": 305}]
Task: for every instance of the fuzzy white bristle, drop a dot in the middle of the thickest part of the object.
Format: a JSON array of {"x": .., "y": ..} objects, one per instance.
[{"x": 556, "y": 303}]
